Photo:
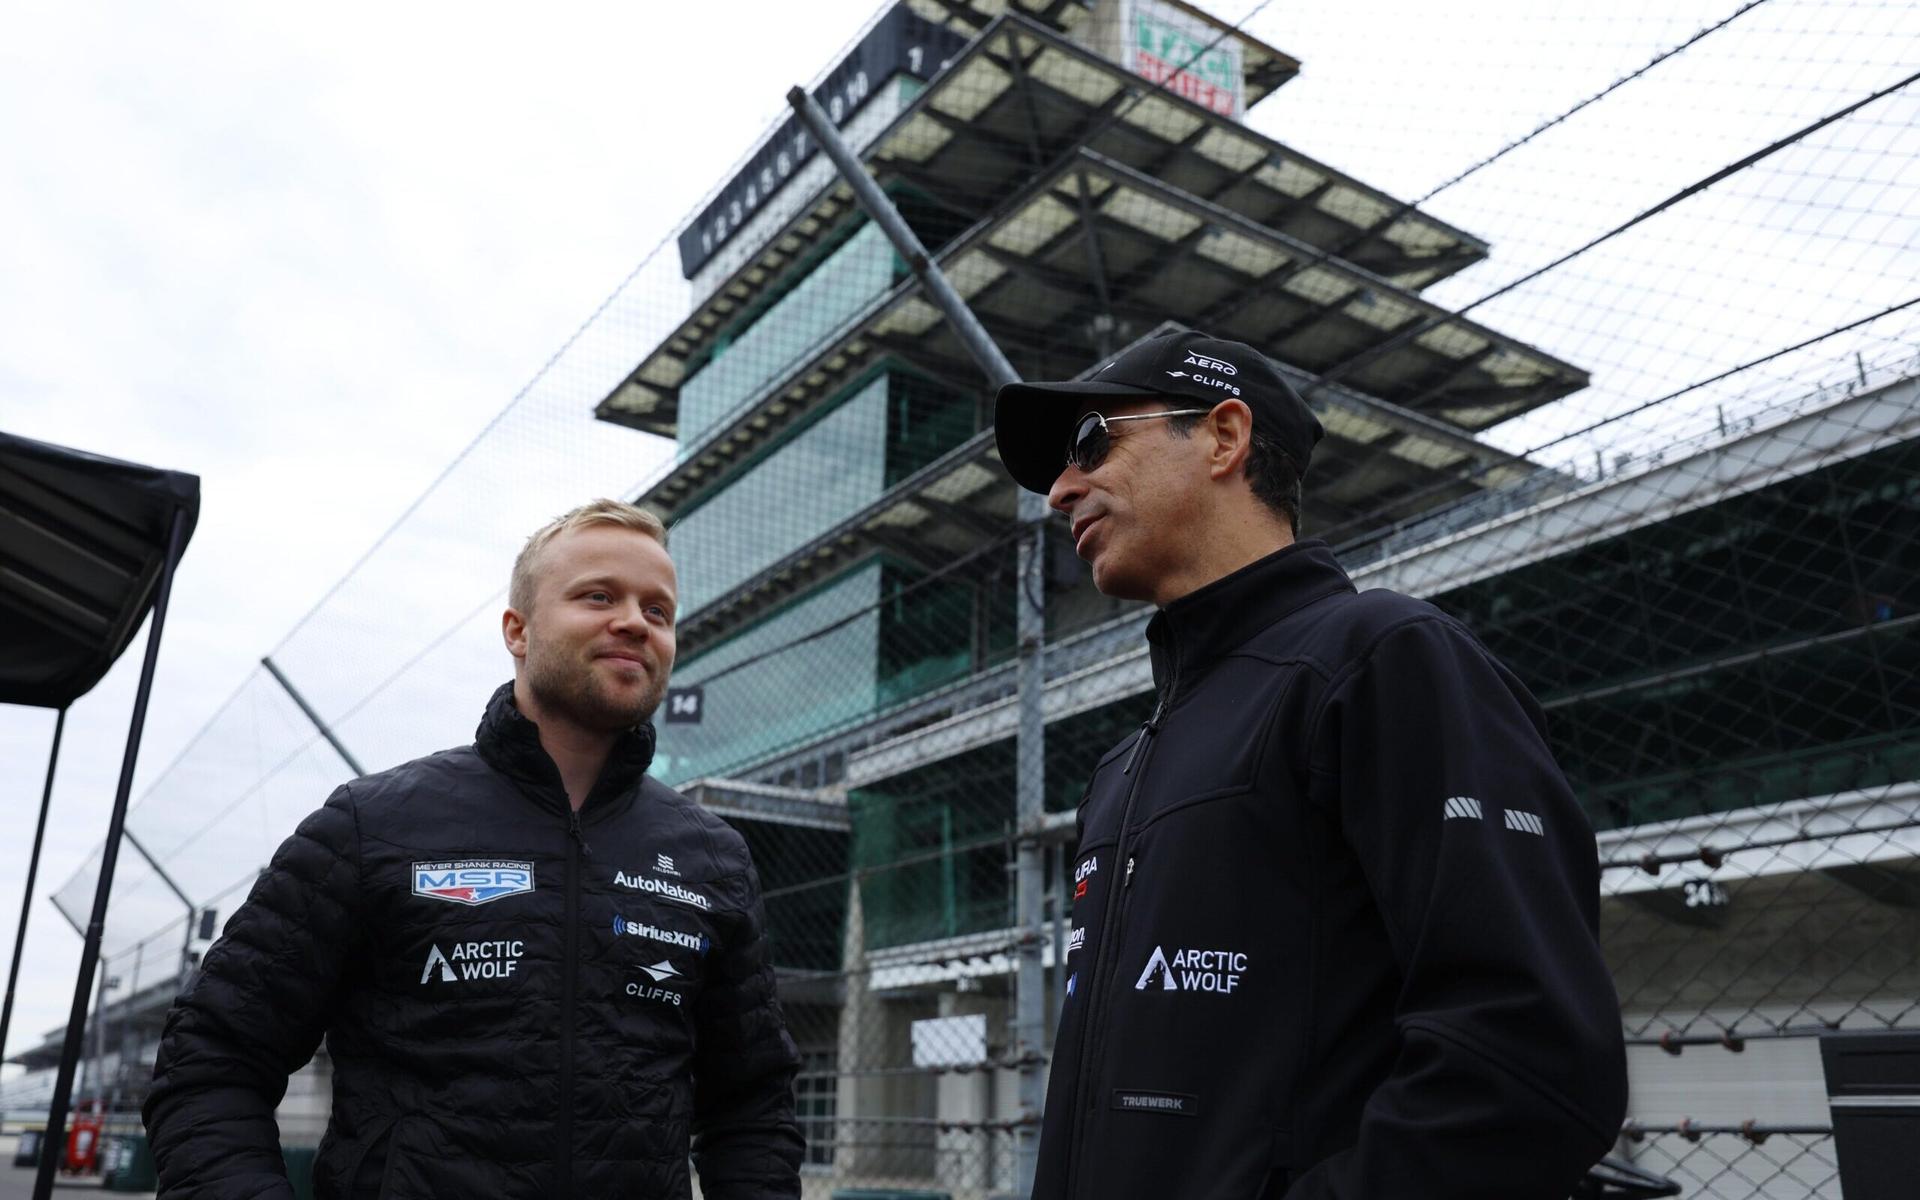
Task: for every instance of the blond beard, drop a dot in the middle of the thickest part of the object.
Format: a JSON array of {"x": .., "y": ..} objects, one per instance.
[{"x": 576, "y": 695}]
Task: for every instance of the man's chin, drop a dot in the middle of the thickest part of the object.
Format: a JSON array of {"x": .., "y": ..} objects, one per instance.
[
  {"x": 624, "y": 712},
  {"x": 606, "y": 710},
  {"x": 1109, "y": 581}
]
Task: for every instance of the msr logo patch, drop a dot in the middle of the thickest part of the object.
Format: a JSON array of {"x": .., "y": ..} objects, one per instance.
[{"x": 472, "y": 880}]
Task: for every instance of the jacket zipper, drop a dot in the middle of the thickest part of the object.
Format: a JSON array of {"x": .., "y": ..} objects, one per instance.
[
  {"x": 1089, "y": 1098},
  {"x": 563, "y": 1151}
]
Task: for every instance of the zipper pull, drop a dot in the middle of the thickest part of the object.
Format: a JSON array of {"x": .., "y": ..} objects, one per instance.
[
  {"x": 1127, "y": 881},
  {"x": 573, "y": 827},
  {"x": 1147, "y": 729}
]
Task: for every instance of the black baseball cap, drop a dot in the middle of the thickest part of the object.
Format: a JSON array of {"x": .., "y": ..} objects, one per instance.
[{"x": 1032, "y": 421}]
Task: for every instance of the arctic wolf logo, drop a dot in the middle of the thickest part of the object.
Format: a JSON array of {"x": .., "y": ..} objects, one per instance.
[{"x": 1193, "y": 970}]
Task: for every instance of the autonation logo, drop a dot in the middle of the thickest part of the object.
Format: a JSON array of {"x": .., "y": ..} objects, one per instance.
[{"x": 662, "y": 887}]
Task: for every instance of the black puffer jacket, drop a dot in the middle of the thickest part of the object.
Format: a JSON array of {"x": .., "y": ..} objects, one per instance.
[
  {"x": 1334, "y": 920},
  {"x": 519, "y": 1001}
]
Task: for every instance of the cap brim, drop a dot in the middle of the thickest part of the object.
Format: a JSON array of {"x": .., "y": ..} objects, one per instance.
[{"x": 1032, "y": 422}]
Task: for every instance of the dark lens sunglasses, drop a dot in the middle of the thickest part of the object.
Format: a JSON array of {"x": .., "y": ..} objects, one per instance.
[{"x": 1092, "y": 439}]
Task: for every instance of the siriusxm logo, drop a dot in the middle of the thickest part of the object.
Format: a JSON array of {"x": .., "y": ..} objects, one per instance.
[
  {"x": 472, "y": 881},
  {"x": 696, "y": 942},
  {"x": 661, "y": 887}
]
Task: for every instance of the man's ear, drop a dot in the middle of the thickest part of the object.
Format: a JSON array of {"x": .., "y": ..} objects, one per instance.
[
  {"x": 1230, "y": 425},
  {"x": 513, "y": 631}
]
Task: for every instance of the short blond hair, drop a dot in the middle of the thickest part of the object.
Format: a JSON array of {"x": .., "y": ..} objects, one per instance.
[{"x": 594, "y": 512}]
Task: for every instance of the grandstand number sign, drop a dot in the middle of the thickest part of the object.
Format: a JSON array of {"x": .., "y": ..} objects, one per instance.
[
  {"x": 1703, "y": 893},
  {"x": 685, "y": 704}
]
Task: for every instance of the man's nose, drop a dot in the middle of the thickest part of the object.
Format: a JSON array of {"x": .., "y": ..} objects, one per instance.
[
  {"x": 1068, "y": 488},
  {"x": 631, "y": 618}
]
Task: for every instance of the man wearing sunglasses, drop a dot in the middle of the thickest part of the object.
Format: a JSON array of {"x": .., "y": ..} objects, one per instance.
[{"x": 1335, "y": 906}]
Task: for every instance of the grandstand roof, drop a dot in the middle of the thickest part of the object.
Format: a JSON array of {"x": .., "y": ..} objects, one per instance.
[{"x": 1021, "y": 98}]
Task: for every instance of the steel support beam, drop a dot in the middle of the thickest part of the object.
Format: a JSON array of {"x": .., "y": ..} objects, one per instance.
[
  {"x": 1029, "y": 1016},
  {"x": 326, "y": 731}
]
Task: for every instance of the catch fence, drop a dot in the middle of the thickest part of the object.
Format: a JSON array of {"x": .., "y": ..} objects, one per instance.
[{"x": 1614, "y": 324}]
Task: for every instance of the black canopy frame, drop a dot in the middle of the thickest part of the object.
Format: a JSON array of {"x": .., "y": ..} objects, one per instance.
[{"x": 88, "y": 548}]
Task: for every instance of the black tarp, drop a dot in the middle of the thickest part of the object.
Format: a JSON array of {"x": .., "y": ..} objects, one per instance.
[{"x": 83, "y": 540}]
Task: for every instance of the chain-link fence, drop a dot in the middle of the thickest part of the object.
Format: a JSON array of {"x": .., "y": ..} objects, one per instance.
[{"x": 1612, "y": 321}]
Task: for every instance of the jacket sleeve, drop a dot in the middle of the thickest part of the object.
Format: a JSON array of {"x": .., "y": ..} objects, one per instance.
[
  {"x": 1511, "y": 1074},
  {"x": 254, "y": 1016},
  {"x": 746, "y": 1143}
]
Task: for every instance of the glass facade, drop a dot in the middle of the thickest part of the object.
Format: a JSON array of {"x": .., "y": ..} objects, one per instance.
[
  {"x": 794, "y": 327},
  {"x": 877, "y": 634},
  {"x": 763, "y": 691},
  {"x": 827, "y": 472},
  {"x": 889, "y": 426},
  {"x": 932, "y": 844},
  {"x": 1764, "y": 648}
]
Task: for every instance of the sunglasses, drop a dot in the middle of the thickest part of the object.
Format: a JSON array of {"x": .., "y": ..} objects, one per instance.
[{"x": 1092, "y": 439}]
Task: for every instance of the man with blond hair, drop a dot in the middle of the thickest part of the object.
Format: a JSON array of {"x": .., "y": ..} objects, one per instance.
[{"x": 540, "y": 972}]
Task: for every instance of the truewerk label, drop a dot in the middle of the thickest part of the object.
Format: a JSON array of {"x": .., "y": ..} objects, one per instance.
[{"x": 1171, "y": 1104}]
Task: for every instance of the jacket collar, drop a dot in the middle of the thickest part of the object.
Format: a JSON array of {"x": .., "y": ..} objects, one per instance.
[
  {"x": 510, "y": 744},
  {"x": 1188, "y": 636}
]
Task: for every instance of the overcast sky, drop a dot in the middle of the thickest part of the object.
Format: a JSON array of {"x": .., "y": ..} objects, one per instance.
[
  {"x": 307, "y": 255},
  {"x": 311, "y": 255}
]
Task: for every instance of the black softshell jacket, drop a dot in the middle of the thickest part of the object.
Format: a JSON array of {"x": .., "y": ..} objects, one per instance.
[
  {"x": 517, "y": 1004},
  {"x": 1333, "y": 921}
]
